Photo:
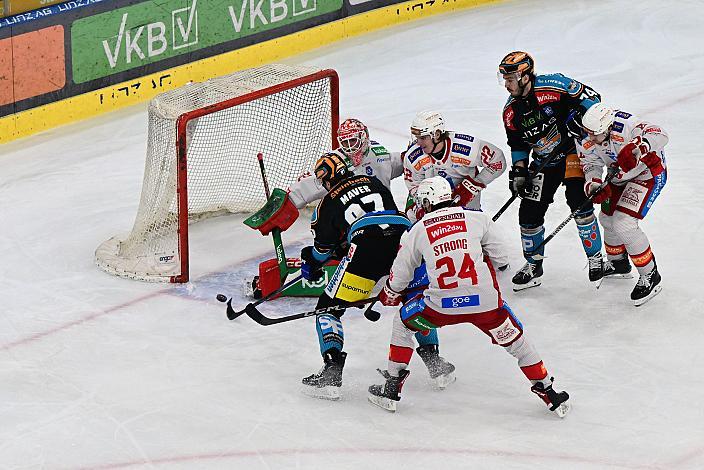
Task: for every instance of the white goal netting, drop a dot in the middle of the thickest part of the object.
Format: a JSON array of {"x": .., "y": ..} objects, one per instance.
[{"x": 286, "y": 112}]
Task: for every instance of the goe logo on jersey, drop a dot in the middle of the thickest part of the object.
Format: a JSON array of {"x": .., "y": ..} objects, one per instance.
[{"x": 460, "y": 301}]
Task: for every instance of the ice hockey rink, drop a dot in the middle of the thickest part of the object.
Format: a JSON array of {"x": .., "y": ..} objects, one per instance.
[{"x": 98, "y": 372}]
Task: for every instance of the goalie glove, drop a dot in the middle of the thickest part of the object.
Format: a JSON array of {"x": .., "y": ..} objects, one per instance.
[
  {"x": 591, "y": 188},
  {"x": 388, "y": 296},
  {"x": 467, "y": 190},
  {"x": 632, "y": 153},
  {"x": 312, "y": 268}
]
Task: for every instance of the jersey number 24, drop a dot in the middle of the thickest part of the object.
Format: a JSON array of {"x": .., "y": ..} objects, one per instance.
[{"x": 467, "y": 271}]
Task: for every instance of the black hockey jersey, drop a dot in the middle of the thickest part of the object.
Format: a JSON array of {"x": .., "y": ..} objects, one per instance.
[
  {"x": 537, "y": 122},
  {"x": 351, "y": 204}
]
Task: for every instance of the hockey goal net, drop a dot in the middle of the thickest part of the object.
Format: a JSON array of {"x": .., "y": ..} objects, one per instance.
[{"x": 201, "y": 158}]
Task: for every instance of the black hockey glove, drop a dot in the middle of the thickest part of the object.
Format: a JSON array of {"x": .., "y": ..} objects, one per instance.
[
  {"x": 574, "y": 125},
  {"x": 518, "y": 180},
  {"x": 311, "y": 269}
]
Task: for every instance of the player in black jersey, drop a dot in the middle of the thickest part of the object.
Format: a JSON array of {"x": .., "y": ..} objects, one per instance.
[
  {"x": 536, "y": 118},
  {"x": 358, "y": 213}
]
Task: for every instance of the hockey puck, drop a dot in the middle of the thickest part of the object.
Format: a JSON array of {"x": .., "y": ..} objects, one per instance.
[
  {"x": 371, "y": 315},
  {"x": 221, "y": 297}
]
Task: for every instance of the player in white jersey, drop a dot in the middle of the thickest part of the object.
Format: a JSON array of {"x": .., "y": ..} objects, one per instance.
[
  {"x": 366, "y": 157},
  {"x": 455, "y": 156},
  {"x": 625, "y": 143},
  {"x": 460, "y": 249}
]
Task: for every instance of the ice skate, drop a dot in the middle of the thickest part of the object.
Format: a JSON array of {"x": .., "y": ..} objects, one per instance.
[
  {"x": 441, "y": 371},
  {"x": 596, "y": 268},
  {"x": 326, "y": 384},
  {"x": 647, "y": 287},
  {"x": 618, "y": 269},
  {"x": 530, "y": 275},
  {"x": 556, "y": 401},
  {"x": 385, "y": 396}
]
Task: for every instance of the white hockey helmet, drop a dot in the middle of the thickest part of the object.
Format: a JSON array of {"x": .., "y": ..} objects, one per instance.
[
  {"x": 426, "y": 123},
  {"x": 598, "y": 119},
  {"x": 433, "y": 191}
]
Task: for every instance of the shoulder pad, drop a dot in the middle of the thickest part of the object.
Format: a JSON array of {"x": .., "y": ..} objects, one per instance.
[
  {"x": 378, "y": 149},
  {"x": 466, "y": 137},
  {"x": 414, "y": 153},
  {"x": 556, "y": 80},
  {"x": 462, "y": 149}
]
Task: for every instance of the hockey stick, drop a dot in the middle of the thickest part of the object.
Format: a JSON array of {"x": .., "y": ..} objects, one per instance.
[
  {"x": 257, "y": 316},
  {"x": 231, "y": 314},
  {"x": 515, "y": 195},
  {"x": 610, "y": 175},
  {"x": 275, "y": 233}
]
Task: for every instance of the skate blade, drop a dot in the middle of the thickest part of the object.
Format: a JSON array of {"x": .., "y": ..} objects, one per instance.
[
  {"x": 619, "y": 276},
  {"x": 655, "y": 292},
  {"x": 441, "y": 382},
  {"x": 323, "y": 393},
  {"x": 597, "y": 283},
  {"x": 383, "y": 403},
  {"x": 528, "y": 285},
  {"x": 562, "y": 410}
]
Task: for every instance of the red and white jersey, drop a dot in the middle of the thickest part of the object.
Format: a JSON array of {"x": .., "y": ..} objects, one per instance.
[
  {"x": 460, "y": 248},
  {"x": 377, "y": 162},
  {"x": 594, "y": 157},
  {"x": 464, "y": 156}
]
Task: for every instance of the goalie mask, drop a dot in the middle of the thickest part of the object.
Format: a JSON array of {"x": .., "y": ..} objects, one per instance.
[
  {"x": 598, "y": 119},
  {"x": 353, "y": 137},
  {"x": 332, "y": 168},
  {"x": 432, "y": 192}
]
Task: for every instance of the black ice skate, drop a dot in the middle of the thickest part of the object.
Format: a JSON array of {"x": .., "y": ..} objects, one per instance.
[
  {"x": 441, "y": 371},
  {"x": 326, "y": 383},
  {"x": 617, "y": 269},
  {"x": 385, "y": 396},
  {"x": 647, "y": 287},
  {"x": 530, "y": 275},
  {"x": 556, "y": 401},
  {"x": 596, "y": 267}
]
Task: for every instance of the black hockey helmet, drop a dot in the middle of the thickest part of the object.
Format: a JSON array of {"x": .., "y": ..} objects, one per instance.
[
  {"x": 517, "y": 62},
  {"x": 332, "y": 168}
]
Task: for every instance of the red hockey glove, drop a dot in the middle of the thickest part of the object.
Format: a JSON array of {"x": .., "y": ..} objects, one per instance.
[
  {"x": 389, "y": 297},
  {"x": 654, "y": 163},
  {"x": 415, "y": 212},
  {"x": 467, "y": 190},
  {"x": 629, "y": 155},
  {"x": 591, "y": 187}
]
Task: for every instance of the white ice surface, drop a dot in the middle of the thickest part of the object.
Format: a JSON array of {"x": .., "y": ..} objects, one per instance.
[{"x": 98, "y": 372}]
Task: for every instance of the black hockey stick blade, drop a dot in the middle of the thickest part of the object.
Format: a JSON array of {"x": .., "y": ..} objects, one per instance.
[{"x": 231, "y": 314}]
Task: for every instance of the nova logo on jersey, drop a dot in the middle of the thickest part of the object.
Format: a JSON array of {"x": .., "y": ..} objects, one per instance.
[
  {"x": 547, "y": 96},
  {"x": 461, "y": 149},
  {"x": 466, "y": 137},
  {"x": 444, "y": 229}
]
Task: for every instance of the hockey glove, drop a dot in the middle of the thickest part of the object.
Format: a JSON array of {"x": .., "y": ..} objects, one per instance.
[
  {"x": 467, "y": 190},
  {"x": 389, "y": 297},
  {"x": 574, "y": 125},
  {"x": 415, "y": 212},
  {"x": 311, "y": 269},
  {"x": 518, "y": 179},
  {"x": 592, "y": 187},
  {"x": 631, "y": 153},
  {"x": 654, "y": 163}
]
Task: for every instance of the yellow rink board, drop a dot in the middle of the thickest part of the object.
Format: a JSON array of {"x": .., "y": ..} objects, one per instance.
[{"x": 144, "y": 88}]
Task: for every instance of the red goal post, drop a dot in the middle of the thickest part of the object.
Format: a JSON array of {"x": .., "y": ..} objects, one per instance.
[{"x": 201, "y": 159}]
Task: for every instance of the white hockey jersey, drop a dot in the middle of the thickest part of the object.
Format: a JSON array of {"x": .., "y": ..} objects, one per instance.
[
  {"x": 464, "y": 155},
  {"x": 460, "y": 248},
  {"x": 594, "y": 157},
  {"x": 377, "y": 162}
]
